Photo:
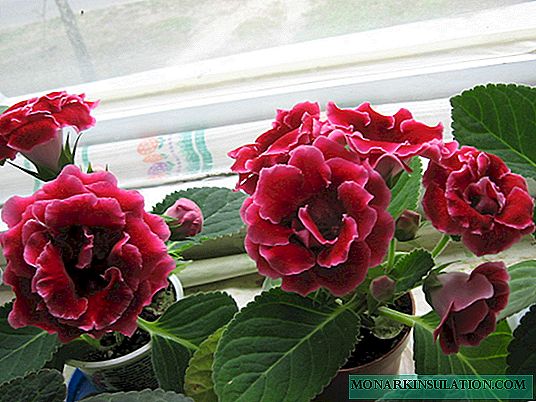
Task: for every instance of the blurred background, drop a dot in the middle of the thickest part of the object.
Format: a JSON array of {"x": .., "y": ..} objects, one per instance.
[{"x": 55, "y": 43}]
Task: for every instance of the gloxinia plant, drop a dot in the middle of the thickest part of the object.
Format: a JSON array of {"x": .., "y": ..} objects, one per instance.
[
  {"x": 326, "y": 200},
  {"x": 89, "y": 266},
  {"x": 329, "y": 195}
]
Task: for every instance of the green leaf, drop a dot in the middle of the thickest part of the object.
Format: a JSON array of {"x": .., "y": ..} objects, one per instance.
[
  {"x": 222, "y": 246},
  {"x": 281, "y": 348},
  {"x": 40, "y": 386},
  {"x": 220, "y": 207},
  {"x": 180, "y": 331},
  {"x": 270, "y": 283},
  {"x": 487, "y": 358},
  {"x": 522, "y": 287},
  {"x": 385, "y": 328},
  {"x": 170, "y": 360},
  {"x": 146, "y": 395},
  {"x": 500, "y": 119},
  {"x": 406, "y": 191},
  {"x": 3, "y": 108},
  {"x": 24, "y": 349},
  {"x": 198, "y": 381},
  {"x": 522, "y": 356},
  {"x": 410, "y": 269}
]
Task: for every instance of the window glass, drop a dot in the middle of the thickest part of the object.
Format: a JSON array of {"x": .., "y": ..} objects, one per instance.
[{"x": 55, "y": 43}]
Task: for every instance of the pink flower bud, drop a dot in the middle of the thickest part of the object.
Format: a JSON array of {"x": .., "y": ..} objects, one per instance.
[
  {"x": 382, "y": 288},
  {"x": 188, "y": 218},
  {"x": 407, "y": 225}
]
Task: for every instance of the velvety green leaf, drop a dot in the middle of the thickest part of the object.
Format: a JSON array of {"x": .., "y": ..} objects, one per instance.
[
  {"x": 220, "y": 207},
  {"x": 24, "y": 349},
  {"x": 219, "y": 247},
  {"x": 198, "y": 380},
  {"x": 180, "y": 331},
  {"x": 170, "y": 360},
  {"x": 410, "y": 269},
  {"x": 405, "y": 193},
  {"x": 487, "y": 358},
  {"x": 3, "y": 108},
  {"x": 281, "y": 348},
  {"x": 522, "y": 349},
  {"x": 522, "y": 287},
  {"x": 40, "y": 386},
  {"x": 385, "y": 328},
  {"x": 500, "y": 119},
  {"x": 146, "y": 395}
]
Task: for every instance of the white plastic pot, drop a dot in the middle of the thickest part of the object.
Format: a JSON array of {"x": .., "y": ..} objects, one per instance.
[{"x": 132, "y": 372}]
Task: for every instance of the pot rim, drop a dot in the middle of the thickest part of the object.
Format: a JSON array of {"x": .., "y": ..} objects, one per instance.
[
  {"x": 400, "y": 344},
  {"x": 179, "y": 293}
]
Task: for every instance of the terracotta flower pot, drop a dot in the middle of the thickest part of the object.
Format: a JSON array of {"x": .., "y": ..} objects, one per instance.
[
  {"x": 387, "y": 364},
  {"x": 132, "y": 372}
]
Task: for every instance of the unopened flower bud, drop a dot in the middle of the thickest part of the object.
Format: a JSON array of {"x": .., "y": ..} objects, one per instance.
[
  {"x": 382, "y": 288},
  {"x": 187, "y": 218},
  {"x": 407, "y": 225}
]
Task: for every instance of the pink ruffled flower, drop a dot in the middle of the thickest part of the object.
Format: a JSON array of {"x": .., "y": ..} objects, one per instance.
[
  {"x": 291, "y": 128},
  {"x": 468, "y": 304},
  {"x": 318, "y": 221},
  {"x": 473, "y": 194},
  {"x": 83, "y": 256},
  {"x": 34, "y": 127},
  {"x": 388, "y": 142}
]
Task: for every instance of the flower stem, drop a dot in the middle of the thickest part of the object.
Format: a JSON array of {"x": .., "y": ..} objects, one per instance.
[
  {"x": 406, "y": 319},
  {"x": 153, "y": 329},
  {"x": 391, "y": 255},
  {"x": 441, "y": 245},
  {"x": 91, "y": 341}
]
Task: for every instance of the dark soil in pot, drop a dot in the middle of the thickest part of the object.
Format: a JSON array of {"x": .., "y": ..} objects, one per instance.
[
  {"x": 371, "y": 348},
  {"x": 371, "y": 356}
]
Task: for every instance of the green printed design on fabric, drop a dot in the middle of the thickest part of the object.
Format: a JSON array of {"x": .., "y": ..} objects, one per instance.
[
  {"x": 195, "y": 152},
  {"x": 186, "y": 147},
  {"x": 202, "y": 149}
]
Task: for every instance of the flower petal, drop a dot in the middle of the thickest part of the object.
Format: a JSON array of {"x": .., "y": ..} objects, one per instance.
[
  {"x": 84, "y": 210},
  {"x": 355, "y": 200},
  {"x": 338, "y": 253},
  {"x": 279, "y": 192},
  {"x": 517, "y": 213},
  {"x": 262, "y": 231},
  {"x": 53, "y": 284},
  {"x": 344, "y": 278},
  {"x": 108, "y": 305},
  {"x": 310, "y": 161},
  {"x": 289, "y": 259}
]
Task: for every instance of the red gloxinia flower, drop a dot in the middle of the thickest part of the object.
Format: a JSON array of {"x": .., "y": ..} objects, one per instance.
[
  {"x": 188, "y": 218},
  {"x": 291, "y": 128},
  {"x": 83, "y": 256},
  {"x": 468, "y": 304},
  {"x": 318, "y": 221},
  {"x": 474, "y": 194},
  {"x": 33, "y": 127},
  {"x": 388, "y": 142}
]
